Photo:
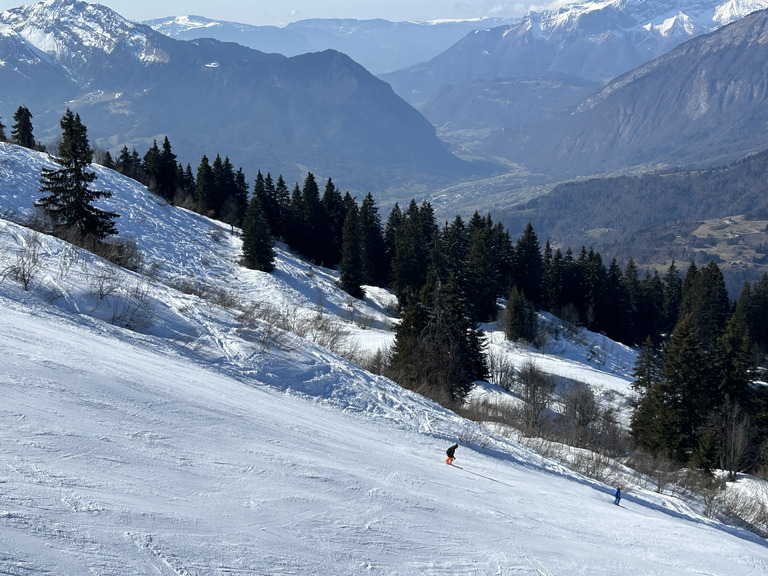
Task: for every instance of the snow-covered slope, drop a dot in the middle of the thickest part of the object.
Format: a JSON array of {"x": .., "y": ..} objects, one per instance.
[{"x": 189, "y": 445}]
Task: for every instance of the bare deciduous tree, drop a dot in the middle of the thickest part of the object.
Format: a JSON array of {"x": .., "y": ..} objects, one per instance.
[
  {"x": 736, "y": 438},
  {"x": 536, "y": 389}
]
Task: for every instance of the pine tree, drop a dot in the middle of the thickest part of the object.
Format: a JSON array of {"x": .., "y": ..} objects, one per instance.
[
  {"x": 374, "y": 264},
  {"x": 734, "y": 363},
  {"x": 204, "y": 187},
  {"x": 413, "y": 245},
  {"x": 152, "y": 167},
  {"x": 650, "y": 315},
  {"x": 673, "y": 293},
  {"x": 437, "y": 351},
  {"x": 688, "y": 391},
  {"x": 391, "y": 232},
  {"x": 529, "y": 266},
  {"x": 2, "y": 131},
  {"x": 295, "y": 227},
  {"x": 258, "y": 246},
  {"x": 108, "y": 162},
  {"x": 318, "y": 237},
  {"x": 166, "y": 172},
  {"x": 519, "y": 317},
  {"x": 646, "y": 425},
  {"x": 351, "y": 261},
  {"x": 21, "y": 132},
  {"x": 482, "y": 267},
  {"x": 283, "y": 196},
  {"x": 337, "y": 215},
  {"x": 69, "y": 202},
  {"x": 265, "y": 189},
  {"x": 617, "y": 312},
  {"x": 706, "y": 305}
]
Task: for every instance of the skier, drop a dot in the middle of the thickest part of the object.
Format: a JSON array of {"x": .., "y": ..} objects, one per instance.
[
  {"x": 450, "y": 452},
  {"x": 617, "y": 494}
]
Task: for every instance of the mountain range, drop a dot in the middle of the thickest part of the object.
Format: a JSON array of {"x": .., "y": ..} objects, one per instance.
[
  {"x": 319, "y": 112},
  {"x": 509, "y": 92},
  {"x": 702, "y": 104},
  {"x": 379, "y": 45}
]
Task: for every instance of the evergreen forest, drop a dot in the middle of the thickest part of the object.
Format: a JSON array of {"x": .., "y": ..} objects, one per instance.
[{"x": 699, "y": 398}]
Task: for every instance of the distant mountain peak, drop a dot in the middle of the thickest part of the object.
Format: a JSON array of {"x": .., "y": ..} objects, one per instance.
[{"x": 72, "y": 31}]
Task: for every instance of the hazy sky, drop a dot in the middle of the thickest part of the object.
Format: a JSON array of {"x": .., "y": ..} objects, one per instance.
[{"x": 280, "y": 12}]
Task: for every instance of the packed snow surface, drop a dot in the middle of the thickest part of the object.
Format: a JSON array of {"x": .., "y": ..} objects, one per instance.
[{"x": 190, "y": 445}]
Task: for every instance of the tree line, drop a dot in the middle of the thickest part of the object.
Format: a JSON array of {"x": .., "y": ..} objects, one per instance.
[{"x": 696, "y": 397}]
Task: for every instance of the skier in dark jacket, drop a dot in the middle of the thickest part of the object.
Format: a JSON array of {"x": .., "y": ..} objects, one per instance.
[
  {"x": 617, "y": 494},
  {"x": 450, "y": 452}
]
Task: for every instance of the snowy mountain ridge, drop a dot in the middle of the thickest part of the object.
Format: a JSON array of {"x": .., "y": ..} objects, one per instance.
[
  {"x": 196, "y": 441},
  {"x": 71, "y": 30}
]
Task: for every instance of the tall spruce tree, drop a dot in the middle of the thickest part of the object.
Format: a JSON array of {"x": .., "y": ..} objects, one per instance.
[
  {"x": 2, "y": 131},
  {"x": 21, "y": 132},
  {"x": 673, "y": 293},
  {"x": 167, "y": 172},
  {"x": 688, "y": 392},
  {"x": 70, "y": 201},
  {"x": 351, "y": 260},
  {"x": 258, "y": 246},
  {"x": 437, "y": 350},
  {"x": 204, "y": 188},
  {"x": 152, "y": 166},
  {"x": 519, "y": 317},
  {"x": 337, "y": 214},
  {"x": 529, "y": 266},
  {"x": 482, "y": 269},
  {"x": 645, "y": 425},
  {"x": 374, "y": 264}
]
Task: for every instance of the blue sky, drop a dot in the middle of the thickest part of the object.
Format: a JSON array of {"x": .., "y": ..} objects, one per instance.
[{"x": 280, "y": 12}]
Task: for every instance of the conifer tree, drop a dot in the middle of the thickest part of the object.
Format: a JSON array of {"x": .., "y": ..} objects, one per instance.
[
  {"x": 152, "y": 167},
  {"x": 519, "y": 317},
  {"x": 166, "y": 172},
  {"x": 391, "y": 231},
  {"x": 734, "y": 363},
  {"x": 672, "y": 295},
  {"x": 454, "y": 243},
  {"x": 283, "y": 196},
  {"x": 351, "y": 261},
  {"x": 482, "y": 269},
  {"x": 374, "y": 265},
  {"x": 204, "y": 187},
  {"x": 706, "y": 305},
  {"x": 108, "y": 162},
  {"x": 70, "y": 201},
  {"x": 687, "y": 392},
  {"x": 258, "y": 246},
  {"x": 437, "y": 351},
  {"x": 617, "y": 312},
  {"x": 265, "y": 189},
  {"x": 2, "y": 131},
  {"x": 337, "y": 213},
  {"x": 646, "y": 425},
  {"x": 529, "y": 266},
  {"x": 413, "y": 246},
  {"x": 21, "y": 132},
  {"x": 317, "y": 242},
  {"x": 594, "y": 278},
  {"x": 295, "y": 227},
  {"x": 185, "y": 186}
]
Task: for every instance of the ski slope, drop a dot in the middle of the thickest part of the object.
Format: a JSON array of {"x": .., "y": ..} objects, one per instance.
[{"x": 187, "y": 446}]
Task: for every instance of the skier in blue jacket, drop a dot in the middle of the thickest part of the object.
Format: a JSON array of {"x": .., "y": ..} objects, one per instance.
[{"x": 617, "y": 494}]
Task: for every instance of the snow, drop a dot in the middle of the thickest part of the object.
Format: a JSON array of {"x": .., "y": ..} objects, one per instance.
[{"x": 194, "y": 444}]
